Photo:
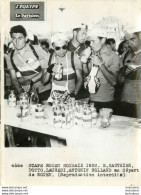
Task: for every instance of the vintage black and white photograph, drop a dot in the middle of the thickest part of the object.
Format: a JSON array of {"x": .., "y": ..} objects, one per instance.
[{"x": 72, "y": 85}]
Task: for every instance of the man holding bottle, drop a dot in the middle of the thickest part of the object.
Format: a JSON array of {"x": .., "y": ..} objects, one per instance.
[
  {"x": 62, "y": 62},
  {"x": 105, "y": 65}
]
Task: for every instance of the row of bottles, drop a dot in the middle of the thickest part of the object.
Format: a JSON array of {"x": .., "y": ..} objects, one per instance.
[
  {"x": 25, "y": 99},
  {"x": 27, "y": 102},
  {"x": 86, "y": 115},
  {"x": 63, "y": 116},
  {"x": 74, "y": 113},
  {"x": 67, "y": 115}
]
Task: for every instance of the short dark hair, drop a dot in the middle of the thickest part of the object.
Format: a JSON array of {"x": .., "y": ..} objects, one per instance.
[
  {"x": 110, "y": 40},
  {"x": 45, "y": 43},
  {"x": 18, "y": 29},
  {"x": 120, "y": 47}
]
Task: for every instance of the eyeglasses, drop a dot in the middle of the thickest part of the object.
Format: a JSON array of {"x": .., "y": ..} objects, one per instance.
[{"x": 64, "y": 47}]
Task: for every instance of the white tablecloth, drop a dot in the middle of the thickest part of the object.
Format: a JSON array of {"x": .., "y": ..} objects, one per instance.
[{"x": 122, "y": 131}]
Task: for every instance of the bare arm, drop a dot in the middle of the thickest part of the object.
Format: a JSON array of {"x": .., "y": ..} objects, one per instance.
[
  {"x": 37, "y": 77},
  {"x": 110, "y": 77},
  {"x": 108, "y": 72},
  {"x": 124, "y": 71},
  {"x": 79, "y": 81},
  {"x": 45, "y": 76},
  {"x": 14, "y": 80},
  {"x": 120, "y": 78},
  {"x": 85, "y": 69},
  {"x": 43, "y": 58}
]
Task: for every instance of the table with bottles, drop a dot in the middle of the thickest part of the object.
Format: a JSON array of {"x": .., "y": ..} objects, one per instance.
[{"x": 76, "y": 121}]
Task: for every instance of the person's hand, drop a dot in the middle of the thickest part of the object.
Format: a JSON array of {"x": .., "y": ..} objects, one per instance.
[
  {"x": 53, "y": 68},
  {"x": 50, "y": 68},
  {"x": 73, "y": 95},
  {"x": 86, "y": 81},
  {"x": 84, "y": 56},
  {"x": 27, "y": 85},
  {"x": 128, "y": 70},
  {"x": 125, "y": 70},
  {"x": 97, "y": 60}
]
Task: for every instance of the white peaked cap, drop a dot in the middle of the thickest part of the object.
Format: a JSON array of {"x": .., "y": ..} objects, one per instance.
[
  {"x": 96, "y": 32},
  {"x": 82, "y": 26},
  {"x": 128, "y": 30},
  {"x": 58, "y": 37}
]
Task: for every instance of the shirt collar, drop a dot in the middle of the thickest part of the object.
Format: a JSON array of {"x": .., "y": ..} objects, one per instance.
[{"x": 26, "y": 48}]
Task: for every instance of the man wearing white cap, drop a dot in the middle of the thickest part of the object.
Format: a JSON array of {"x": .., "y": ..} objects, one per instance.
[
  {"x": 77, "y": 44},
  {"x": 71, "y": 70},
  {"x": 130, "y": 75},
  {"x": 105, "y": 64}
]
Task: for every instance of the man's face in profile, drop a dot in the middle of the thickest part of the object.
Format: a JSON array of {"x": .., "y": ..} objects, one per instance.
[
  {"x": 134, "y": 41},
  {"x": 81, "y": 36},
  {"x": 97, "y": 44}
]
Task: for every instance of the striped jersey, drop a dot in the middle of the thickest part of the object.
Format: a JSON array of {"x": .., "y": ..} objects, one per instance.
[{"x": 28, "y": 64}]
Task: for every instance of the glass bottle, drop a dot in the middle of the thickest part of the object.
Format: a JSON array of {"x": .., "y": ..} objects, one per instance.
[
  {"x": 39, "y": 113},
  {"x": 87, "y": 118},
  {"x": 63, "y": 117},
  {"x": 59, "y": 72},
  {"x": 94, "y": 116},
  {"x": 34, "y": 98},
  {"x": 57, "y": 117},
  {"x": 12, "y": 99}
]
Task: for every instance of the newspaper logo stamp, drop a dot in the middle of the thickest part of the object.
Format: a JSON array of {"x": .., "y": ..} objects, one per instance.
[{"x": 27, "y": 11}]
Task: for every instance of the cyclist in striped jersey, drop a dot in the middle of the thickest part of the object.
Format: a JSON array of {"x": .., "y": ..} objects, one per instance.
[{"x": 25, "y": 64}]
